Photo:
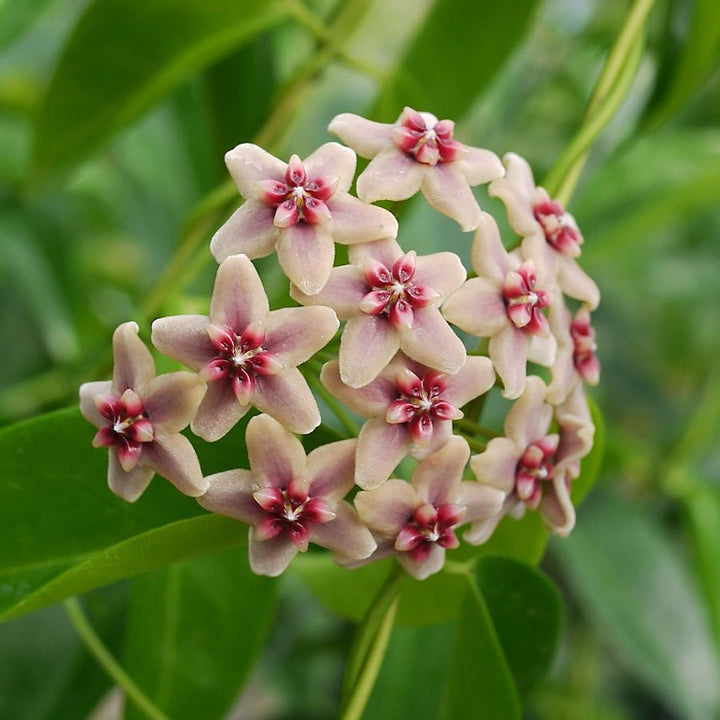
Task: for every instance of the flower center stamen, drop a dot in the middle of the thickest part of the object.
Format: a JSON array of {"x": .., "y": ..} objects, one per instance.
[
  {"x": 425, "y": 138},
  {"x": 524, "y": 301},
  {"x": 429, "y": 526},
  {"x": 535, "y": 467},
  {"x": 559, "y": 227}
]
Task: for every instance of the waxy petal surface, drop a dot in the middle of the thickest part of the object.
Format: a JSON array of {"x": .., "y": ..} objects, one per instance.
[
  {"x": 391, "y": 175},
  {"x": 381, "y": 447},
  {"x": 446, "y": 189},
  {"x": 306, "y": 254},
  {"x": 249, "y": 163},
  {"x": 366, "y": 347},
  {"x": 128, "y": 485},
  {"x": 366, "y": 137},
  {"x": 295, "y": 334},
  {"x": 173, "y": 457},
  {"x": 218, "y": 413},
  {"x": 249, "y": 230},
  {"x": 288, "y": 399},
  {"x": 276, "y": 455},
  {"x": 354, "y": 221},
  {"x": 134, "y": 365},
  {"x": 171, "y": 400},
  {"x": 184, "y": 338}
]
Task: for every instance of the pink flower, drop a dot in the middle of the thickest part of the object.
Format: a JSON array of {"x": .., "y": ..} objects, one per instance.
[
  {"x": 576, "y": 360},
  {"x": 140, "y": 416},
  {"x": 300, "y": 209},
  {"x": 290, "y": 500},
  {"x": 247, "y": 355},
  {"x": 551, "y": 236},
  {"x": 504, "y": 304},
  {"x": 410, "y": 409},
  {"x": 390, "y": 301},
  {"x": 417, "y": 521},
  {"x": 418, "y": 153},
  {"x": 526, "y": 466}
]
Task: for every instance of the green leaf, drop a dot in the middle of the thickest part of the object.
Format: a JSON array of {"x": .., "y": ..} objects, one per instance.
[
  {"x": 16, "y": 16},
  {"x": 698, "y": 58},
  {"x": 636, "y": 589},
  {"x": 526, "y": 611},
  {"x": 454, "y": 56},
  {"x": 194, "y": 632},
  {"x": 125, "y": 55},
  {"x": 480, "y": 685}
]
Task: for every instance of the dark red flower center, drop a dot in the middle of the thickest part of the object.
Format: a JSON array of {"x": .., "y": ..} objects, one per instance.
[
  {"x": 428, "y": 526},
  {"x": 534, "y": 468},
  {"x": 240, "y": 358},
  {"x": 559, "y": 227},
  {"x": 394, "y": 292},
  {"x": 428, "y": 140},
  {"x": 584, "y": 347},
  {"x": 290, "y": 510},
  {"x": 419, "y": 402},
  {"x": 524, "y": 301}
]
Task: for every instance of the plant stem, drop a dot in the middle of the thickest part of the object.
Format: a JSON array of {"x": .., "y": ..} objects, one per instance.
[
  {"x": 106, "y": 660},
  {"x": 368, "y": 650},
  {"x": 476, "y": 429}
]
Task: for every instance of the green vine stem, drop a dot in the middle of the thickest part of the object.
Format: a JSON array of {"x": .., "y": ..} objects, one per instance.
[
  {"x": 613, "y": 84},
  {"x": 368, "y": 648},
  {"x": 105, "y": 659}
]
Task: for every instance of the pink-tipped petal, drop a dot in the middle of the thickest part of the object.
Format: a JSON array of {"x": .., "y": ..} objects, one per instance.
[
  {"x": 432, "y": 562},
  {"x": 367, "y": 346},
  {"x": 345, "y": 535},
  {"x": 270, "y": 557},
  {"x": 437, "y": 478},
  {"x": 238, "y": 297},
  {"x": 576, "y": 283},
  {"x": 388, "y": 508},
  {"x": 353, "y": 221},
  {"x": 332, "y": 159},
  {"x": 343, "y": 292},
  {"x": 249, "y": 163},
  {"x": 496, "y": 466},
  {"x": 381, "y": 447},
  {"x": 306, "y": 254},
  {"x": 391, "y": 175},
  {"x": 218, "y": 413},
  {"x": 231, "y": 493},
  {"x": 128, "y": 485},
  {"x": 88, "y": 392},
  {"x": 477, "y": 308},
  {"x": 557, "y": 509},
  {"x": 288, "y": 399},
  {"x": 371, "y": 400},
  {"x": 443, "y": 272},
  {"x": 473, "y": 379},
  {"x": 366, "y": 137},
  {"x": 249, "y": 230},
  {"x": 432, "y": 342},
  {"x": 331, "y": 469},
  {"x": 134, "y": 365},
  {"x": 276, "y": 455},
  {"x": 184, "y": 338},
  {"x": 173, "y": 457},
  {"x": 172, "y": 400},
  {"x": 293, "y": 335},
  {"x": 446, "y": 189}
]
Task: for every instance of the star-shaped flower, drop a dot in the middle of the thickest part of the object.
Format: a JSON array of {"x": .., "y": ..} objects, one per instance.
[
  {"x": 140, "y": 416},
  {"x": 247, "y": 354},
  {"x": 410, "y": 409},
  {"x": 524, "y": 466},
  {"x": 504, "y": 303},
  {"x": 390, "y": 300},
  {"x": 551, "y": 235},
  {"x": 417, "y": 521},
  {"x": 290, "y": 500},
  {"x": 418, "y": 153},
  {"x": 299, "y": 209}
]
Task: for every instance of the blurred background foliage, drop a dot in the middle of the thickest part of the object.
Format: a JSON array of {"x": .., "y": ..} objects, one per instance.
[{"x": 114, "y": 119}]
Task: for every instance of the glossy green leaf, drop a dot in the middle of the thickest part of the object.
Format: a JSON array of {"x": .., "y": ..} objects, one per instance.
[
  {"x": 16, "y": 16},
  {"x": 636, "y": 589},
  {"x": 526, "y": 611},
  {"x": 698, "y": 56},
  {"x": 125, "y": 55},
  {"x": 454, "y": 56},
  {"x": 194, "y": 632},
  {"x": 480, "y": 684}
]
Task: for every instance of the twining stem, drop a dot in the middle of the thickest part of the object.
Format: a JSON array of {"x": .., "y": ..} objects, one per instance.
[
  {"x": 615, "y": 80},
  {"x": 105, "y": 659},
  {"x": 368, "y": 649}
]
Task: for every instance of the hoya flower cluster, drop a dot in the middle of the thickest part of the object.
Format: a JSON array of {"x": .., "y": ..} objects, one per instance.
[{"x": 399, "y": 364}]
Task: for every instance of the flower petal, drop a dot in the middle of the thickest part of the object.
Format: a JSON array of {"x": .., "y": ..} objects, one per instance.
[
  {"x": 497, "y": 464},
  {"x": 443, "y": 272},
  {"x": 557, "y": 509},
  {"x": 432, "y": 342},
  {"x": 391, "y": 175},
  {"x": 173, "y": 456},
  {"x": 380, "y": 449},
  {"x": 249, "y": 230},
  {"x": 370, "y": 400},
  {"x": 367, "y": 345},
  {"x": 276, "y": 455},
  {"x": 134, "y": 364},
  {"x": 331, "y": 470},
  {"x": 437, "y": 478},
  {"x": 287, "y": 397},
  {"x": 366, "y": 137},
  {"x": 88, "y": 408},
  {"x": 473, "y": 379},
  {"x": 387, "y": 508},
  {"x": 332, "y": 159},
  {"x": 477, "y": 308},
  {"x": 295, "y": 334},
  {"x": 184, "y": 338},
  {"x": 480, "y": 501},
  {"x": 345, "y": 535},
  {"x": 446, "y": 189},
  {"x": 508, "y": 352},
  {"x": 529, "y": 418},
  {"x": 231, "y": 493},
  {"x": 171, "y": 400},
  {"x": 249, "y": 163},
  {"x": 306, "y": 254},
  {"x": 432, "y": 564},
  {"x": 517, "y": 191},
  {"x": 353, "y": 221},
  {"x": 479, "y": 166},
  {"x": 270, "y": 557},
  {"x": 127, "y": 485},
  {"x": 238, "y": 297},
  {"x": 343, "y": 292},
  {"x": 218, "y": 413},
  {"x": 576, "y": 283},
  {"x": 488, "y": 255}
]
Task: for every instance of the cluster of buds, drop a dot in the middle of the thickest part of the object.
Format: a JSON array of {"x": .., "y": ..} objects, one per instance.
[{"x": 400, "y": 364}]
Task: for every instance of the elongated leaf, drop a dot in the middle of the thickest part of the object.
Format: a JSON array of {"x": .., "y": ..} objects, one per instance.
[
  {"x": 637, "y": 591},
  {"x": 480, "y": 684},
  {"x": 526, "y": 611},
  {"x": 194, "y": 632},
  {"x": 124, "y": 55},
  {"x": 457, "y": 52},
  {"x": 16, "y": 16}
]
